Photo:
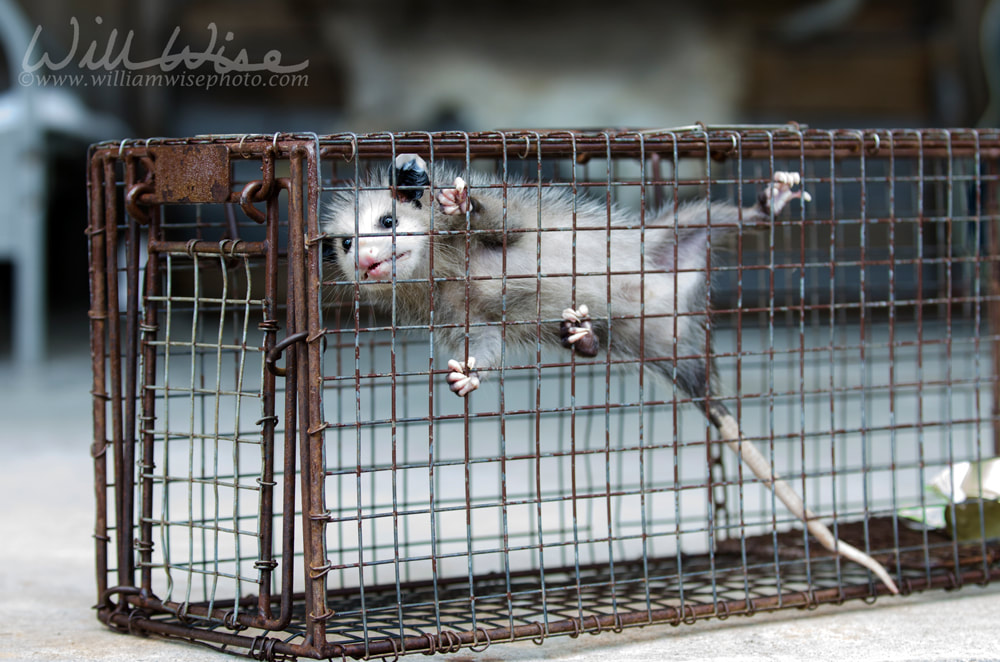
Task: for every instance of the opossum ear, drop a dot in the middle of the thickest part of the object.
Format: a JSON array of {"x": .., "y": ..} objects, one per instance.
[{"x": 411, "y": 178}]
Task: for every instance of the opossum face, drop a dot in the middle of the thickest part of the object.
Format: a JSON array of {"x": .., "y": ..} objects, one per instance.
[{"x": 387, "y": 230}]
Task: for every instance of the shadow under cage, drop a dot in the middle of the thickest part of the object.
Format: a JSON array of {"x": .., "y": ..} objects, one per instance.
[{"x": 282, "y": 469}]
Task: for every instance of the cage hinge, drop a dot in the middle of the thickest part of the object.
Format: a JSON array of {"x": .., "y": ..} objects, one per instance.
[{"x": 271, "y": 361}]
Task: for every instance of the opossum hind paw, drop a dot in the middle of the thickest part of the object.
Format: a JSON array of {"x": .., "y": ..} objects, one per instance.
[
  {"x": 779, "y": 192},
  {"x": 577, "y": 333}
]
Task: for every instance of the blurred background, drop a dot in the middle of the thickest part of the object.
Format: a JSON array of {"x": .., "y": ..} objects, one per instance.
[{"x": 76, "y": 72}]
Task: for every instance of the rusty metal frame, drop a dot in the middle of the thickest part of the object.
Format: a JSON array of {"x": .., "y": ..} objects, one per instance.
[{"x": 142, "y": 177}]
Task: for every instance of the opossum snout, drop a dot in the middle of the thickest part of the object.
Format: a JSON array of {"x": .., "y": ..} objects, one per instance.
[
  {"x": 376, "y": 264},
  {"x": 368, "y": 255}
]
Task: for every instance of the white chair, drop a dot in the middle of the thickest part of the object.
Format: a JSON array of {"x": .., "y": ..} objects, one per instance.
[{"x": 27, "y": 114}]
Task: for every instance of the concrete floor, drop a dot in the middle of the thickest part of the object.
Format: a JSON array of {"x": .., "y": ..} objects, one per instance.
[{"x": 47, "y": 576}]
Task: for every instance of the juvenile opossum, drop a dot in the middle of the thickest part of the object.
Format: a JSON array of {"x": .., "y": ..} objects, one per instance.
[{"x": 509, "y": 264}]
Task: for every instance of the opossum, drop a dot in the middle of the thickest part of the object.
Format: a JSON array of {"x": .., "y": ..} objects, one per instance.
[{"x": 510, "y": 264}]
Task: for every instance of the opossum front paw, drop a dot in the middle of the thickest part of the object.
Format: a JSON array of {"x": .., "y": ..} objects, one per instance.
[
  {"x": 463, "y": 378},
  {"x": 577, "y": 332},
  {"x": 779, "y": 192},
  {"x": 456, "y": 200}
]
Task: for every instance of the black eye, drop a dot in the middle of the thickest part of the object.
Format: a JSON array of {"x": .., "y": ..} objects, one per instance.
[
  {"x": 346, "y": 243},
  {"x": 387, "y": 221}
]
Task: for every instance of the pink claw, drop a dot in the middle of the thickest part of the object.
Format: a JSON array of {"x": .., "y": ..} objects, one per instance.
[
  {"x": 463, "y": 379},
  {"x": 455, "y": 200},
  {"x": 779, "y": 192}
]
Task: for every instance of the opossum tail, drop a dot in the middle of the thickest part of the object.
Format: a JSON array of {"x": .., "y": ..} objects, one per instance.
[{"x": 730, "y": 432}]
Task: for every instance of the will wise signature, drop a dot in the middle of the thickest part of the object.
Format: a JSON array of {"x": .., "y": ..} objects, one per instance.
[{"x": 116, "y": 57}]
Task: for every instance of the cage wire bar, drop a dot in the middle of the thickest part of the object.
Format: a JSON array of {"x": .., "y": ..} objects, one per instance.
[{"x": 281, "y": 473}]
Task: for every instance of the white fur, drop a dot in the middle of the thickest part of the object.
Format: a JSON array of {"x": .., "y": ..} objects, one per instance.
[
  {"x": 547, "y": 251},
  {"x": 509, "y": 291}
]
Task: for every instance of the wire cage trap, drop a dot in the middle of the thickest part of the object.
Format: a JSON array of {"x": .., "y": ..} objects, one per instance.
[{"x": 282, "y": 471}]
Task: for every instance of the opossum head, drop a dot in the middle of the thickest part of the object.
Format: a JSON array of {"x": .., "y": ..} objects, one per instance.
[{"x": 382, "y": 227}]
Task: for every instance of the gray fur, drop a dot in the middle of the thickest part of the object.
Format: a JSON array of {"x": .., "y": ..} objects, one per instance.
[
  {"x": 504, "y": 273},
  {"x": 504, "y": 239}
]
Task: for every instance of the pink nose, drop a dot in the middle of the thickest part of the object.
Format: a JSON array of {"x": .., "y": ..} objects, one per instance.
[{"x": 367, "y": 256}]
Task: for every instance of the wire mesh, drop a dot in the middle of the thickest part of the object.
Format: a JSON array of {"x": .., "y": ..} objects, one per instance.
[{"x": 285, "y": 471}]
